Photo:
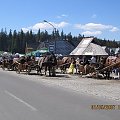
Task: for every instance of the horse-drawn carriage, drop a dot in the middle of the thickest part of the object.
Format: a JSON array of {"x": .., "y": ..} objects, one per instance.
[
  {"x": 7, "y": 63},
  {"x": 33, "y": 65},
  {"x": 26, "y": 64},
  {"x": 112, "y": 64},
  {"x": 64, "y": 63}
]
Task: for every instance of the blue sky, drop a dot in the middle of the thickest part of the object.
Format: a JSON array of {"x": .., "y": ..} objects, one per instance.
[{"x": 99, "y": 18}]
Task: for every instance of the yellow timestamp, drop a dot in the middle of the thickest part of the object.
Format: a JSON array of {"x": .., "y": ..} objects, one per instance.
[{"x": 105, "y": 107}]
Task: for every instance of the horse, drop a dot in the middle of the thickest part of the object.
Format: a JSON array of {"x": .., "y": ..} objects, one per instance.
[
  {"x": 7, "y": 63},
  {"x": 107, "y": 66},
  {"x": 48, "y": 62},
  {"x": 64, "y": 63},
  {"x": 112, "y": 63},
  {"x": 4, "y": 63},
  {"x": 21, "y": 65},
  {"x": 85, "y": 69}
]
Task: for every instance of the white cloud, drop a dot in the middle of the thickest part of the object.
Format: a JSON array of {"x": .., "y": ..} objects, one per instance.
[
  {"x": 45, "y": 25},
  {"x": 40, "y": 26},
  {"x": 25, "y": 30},
  {"x": 59, "y": 17},
  {"x": 62, "y": 16},
  {"x": 114, "y": 29},
  {"x": 92, "y": 33},
  {"x": 62, "y": 24},
  {"x": 96, "y": 27},
  {"x": 94, "y": 16},
  {"x": 93, "y": 26}
]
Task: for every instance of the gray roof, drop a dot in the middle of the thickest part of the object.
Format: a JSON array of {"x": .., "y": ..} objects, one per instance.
[
  {"x": 63, "y": 47},
  {"x": 85, "y": 47},
  {"x": 81, "y": 46},
  {"x": 60, "y": 46},
  {"x": 94, "y": 49}
]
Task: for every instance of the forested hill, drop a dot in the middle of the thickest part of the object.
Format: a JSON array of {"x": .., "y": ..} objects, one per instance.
[{"x": 16, "y": 41}]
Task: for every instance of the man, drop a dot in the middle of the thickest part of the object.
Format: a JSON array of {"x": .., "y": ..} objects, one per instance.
[{"x": 93, "y": 60}]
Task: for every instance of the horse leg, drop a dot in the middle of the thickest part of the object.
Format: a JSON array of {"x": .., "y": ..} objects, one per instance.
[
  {"x": 53, "y": 71},
  {"x": 108, "y": 74},
  {"x": 40, "y": 70},
  {"x": 85, "y": 69},
  {"x": 49, "y": 69},
  {"x": 45, "y": 70}
]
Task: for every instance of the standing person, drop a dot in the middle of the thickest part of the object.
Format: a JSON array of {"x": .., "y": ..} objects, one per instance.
[
  {"x": 77, "y": 65},
  {"x": 93, "y": 60},
  {"x": 72, "y": 66}
]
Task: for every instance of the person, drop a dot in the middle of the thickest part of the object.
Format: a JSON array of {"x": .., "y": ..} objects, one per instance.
[
  {"x": 22, "y": 60},
  {"x": 71, "y": 68},
  {"x": 54, "y": 63},
  {"x": 77, "y": 65},
  {"x": 93, "y": 60}
]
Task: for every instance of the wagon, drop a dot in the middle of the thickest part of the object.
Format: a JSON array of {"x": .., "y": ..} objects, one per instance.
[{"x": 33, "y": 66}]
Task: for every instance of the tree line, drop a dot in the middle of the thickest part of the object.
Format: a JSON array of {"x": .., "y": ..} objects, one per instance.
[{"x": 16, "y": 41}]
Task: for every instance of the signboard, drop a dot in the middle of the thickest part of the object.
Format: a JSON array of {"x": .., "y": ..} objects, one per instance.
[{"x": 51, "y": 48}]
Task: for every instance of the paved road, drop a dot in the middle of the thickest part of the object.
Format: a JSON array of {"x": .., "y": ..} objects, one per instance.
[{"x": 21, "y": 99}]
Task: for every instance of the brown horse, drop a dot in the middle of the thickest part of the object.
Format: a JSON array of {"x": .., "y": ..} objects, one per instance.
[
  {"x": 107, "y": 65},
  {"x": 65, "y": 63},
  {"x": 7, "y": 63},
  {"x": 86, "y": 69},
  {"x": 112, "y": 62}
]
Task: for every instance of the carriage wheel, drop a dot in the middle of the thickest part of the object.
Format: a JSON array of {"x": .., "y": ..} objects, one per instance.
[
  {"x": 8, "y": 67},
  {"x": 37, "y": 68},
  {"x": 3, "y": 67},
  {"x": 28, "y": 70},
  {"x": 18, "y": 70}
]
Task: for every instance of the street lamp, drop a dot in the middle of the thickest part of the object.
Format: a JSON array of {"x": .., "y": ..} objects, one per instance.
[
  {"x": 50, "y": 24},
  {"x": 54, "y": 29}
]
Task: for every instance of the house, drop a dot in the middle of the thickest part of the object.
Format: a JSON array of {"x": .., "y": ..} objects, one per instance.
[
  {"x": 31, "y": 47},
  {"x": 87, "y": 48},
  {"x": 62, "y": 47}
]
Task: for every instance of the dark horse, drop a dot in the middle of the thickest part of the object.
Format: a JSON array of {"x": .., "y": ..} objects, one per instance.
[{"x": 48, "y": 62}]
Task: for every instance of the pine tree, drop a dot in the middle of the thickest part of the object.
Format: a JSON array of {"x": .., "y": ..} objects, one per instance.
[
  {"x": 62, "y": 35},
  {"x": 38, "y": 36},
  {"x": 10, "y": 41},
  {"x": 14, "y": 42}
]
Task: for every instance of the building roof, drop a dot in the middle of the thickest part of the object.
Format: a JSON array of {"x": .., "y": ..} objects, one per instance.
[
  {"x": 62, "y": 47},
  {"x": 32, "y": 45},
  {"x": 94, "y": 49},
  {"x": 85, "y": 47},
  {"x": 81, "y": 46}
]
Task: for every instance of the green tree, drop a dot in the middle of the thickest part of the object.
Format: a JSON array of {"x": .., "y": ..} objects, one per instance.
[
  {"x": 57, "y": 35},
  {"x": 3, "y": 40},
  {"x": 38, "y": 36},
  {"x": 10, "y": 41},
  {"x": 69, "y": 37},
  {"x": 62, "y": 35},
  {"x": 14, "y": 42}
]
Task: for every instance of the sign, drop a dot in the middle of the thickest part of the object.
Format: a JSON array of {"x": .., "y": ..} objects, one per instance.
[{"x": 51, "y": 48}]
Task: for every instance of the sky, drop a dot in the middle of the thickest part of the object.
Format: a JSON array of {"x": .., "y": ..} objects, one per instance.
[{"x": 98, "y": 18}]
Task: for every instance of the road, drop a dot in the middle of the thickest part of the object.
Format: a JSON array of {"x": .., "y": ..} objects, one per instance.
[{"x": 21, "y": 99}]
